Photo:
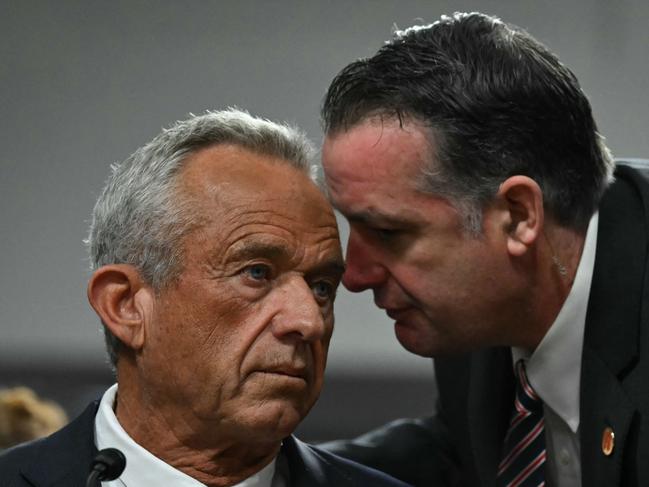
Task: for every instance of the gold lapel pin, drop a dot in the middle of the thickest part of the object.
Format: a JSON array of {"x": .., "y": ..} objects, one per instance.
[{"x": 608, "y": 441}]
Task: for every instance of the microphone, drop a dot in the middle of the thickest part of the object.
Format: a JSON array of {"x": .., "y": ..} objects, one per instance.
[{"x": 107, "y": 465}]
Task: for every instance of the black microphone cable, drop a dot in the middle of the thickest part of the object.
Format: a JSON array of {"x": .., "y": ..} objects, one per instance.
[{"x": 108, "y": 464}]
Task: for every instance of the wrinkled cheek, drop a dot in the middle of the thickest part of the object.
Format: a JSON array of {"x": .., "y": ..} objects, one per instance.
[
  {"x": 326, "y": 341},
  {"x": 319, "y": 366}
]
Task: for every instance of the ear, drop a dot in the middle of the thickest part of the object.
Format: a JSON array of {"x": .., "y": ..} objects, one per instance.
[
  {"x": 123, "y": 302},
  {"x": 523, "y": 202}
]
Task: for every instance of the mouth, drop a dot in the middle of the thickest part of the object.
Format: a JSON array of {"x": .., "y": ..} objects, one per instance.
[
  {"x": 396, "y": 313},
  {"x": 290, "y": 372}
]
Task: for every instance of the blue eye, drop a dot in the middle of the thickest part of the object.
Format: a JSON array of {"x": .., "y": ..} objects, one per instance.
[
  {"x": 323, "y": 290},
  {"x": 258, "y": 272}
]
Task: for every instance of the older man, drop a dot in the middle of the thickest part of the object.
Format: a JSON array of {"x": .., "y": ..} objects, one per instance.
[
  {"x": 216, "y": 261},
  {"x": 484, "y": 218}
]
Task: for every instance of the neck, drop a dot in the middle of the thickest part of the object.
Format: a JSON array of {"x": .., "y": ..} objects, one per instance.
[
  {"x": 559, "y": 254},
  {"x": 203, "y": 450},
  {"x": 565, "y": 247}
]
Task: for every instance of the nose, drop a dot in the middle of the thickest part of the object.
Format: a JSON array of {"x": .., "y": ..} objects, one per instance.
[
  {"x": 299, "y": 314},
  {"x": 363, "y": 270}
]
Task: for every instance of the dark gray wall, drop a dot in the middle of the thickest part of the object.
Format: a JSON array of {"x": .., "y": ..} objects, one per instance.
[{"x": 84, "y": 83}]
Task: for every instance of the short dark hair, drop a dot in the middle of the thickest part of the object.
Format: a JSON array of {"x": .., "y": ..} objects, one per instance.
[{"x": 497, "y": 102}]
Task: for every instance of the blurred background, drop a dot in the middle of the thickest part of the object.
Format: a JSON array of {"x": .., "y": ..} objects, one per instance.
[{"x": 84, "y": 83}]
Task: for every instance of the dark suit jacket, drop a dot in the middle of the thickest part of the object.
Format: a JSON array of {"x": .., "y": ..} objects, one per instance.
[
  {"x": 461, "y": 445},
  {"x": 64, "y": 460}
]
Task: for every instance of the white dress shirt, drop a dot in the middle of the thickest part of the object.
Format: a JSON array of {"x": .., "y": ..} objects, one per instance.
[
  {"x": 143, "y": 469},
  {"x": 554, "y": 371}
]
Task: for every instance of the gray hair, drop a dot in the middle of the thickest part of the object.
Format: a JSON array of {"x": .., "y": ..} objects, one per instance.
[{"x": 139, "y": 219}]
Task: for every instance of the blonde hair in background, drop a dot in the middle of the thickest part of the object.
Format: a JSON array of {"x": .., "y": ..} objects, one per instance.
[{"x": 24, "y": 416}]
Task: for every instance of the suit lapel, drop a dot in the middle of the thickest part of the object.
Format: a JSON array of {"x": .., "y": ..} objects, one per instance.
[
  {"x": 64, "y": 458},
  {"x": 604, "y": 405},
  {"x": 615, "y": 312},
  {"x": 304, "y": 469},
  {"x": 491, "y": 398},
  {"x": 308, "y": 467}
]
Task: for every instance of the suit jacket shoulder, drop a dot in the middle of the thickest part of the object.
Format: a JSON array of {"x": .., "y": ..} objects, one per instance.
[
  {"x": 63, "y": 459},
  {"x": 615, "y": 361},
  {"x": 312, "y": 466}
]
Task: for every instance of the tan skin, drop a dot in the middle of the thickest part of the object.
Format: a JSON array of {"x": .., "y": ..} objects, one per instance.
[
  {"x": 224, "y": 363},
  {"x": 447, "y": 291}
]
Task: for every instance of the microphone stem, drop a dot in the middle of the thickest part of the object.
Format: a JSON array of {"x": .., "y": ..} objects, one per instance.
[{"x": 93, "y": 479}]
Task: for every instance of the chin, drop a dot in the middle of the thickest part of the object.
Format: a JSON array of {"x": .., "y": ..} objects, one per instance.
[
  {"x": 278, "y": 420},
  {"x": 272, "y": 413},
  {"x": 424, "y": 342},
  {"x": 418, "y": 349},
  {"x": 412, "y": 339}
]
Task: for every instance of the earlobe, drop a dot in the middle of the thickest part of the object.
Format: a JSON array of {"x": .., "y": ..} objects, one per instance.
[
  {"x": 123, "y": 302},
  {"x": 523, "y": 200}
]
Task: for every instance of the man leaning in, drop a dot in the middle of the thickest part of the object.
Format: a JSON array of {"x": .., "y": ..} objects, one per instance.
[
  {"x": 216, "y": 261},
  {"x": 486, "y": 217}
]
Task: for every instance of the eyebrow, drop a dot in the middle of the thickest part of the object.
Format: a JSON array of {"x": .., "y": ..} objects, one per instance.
[
  {"x": 273, "y": 251},
  {"x": 249, "y": 250},
  {"x": 369, "y": 216}
]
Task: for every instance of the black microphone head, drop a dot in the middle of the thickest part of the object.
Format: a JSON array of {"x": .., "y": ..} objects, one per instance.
[{"x": 110, "y": 462}]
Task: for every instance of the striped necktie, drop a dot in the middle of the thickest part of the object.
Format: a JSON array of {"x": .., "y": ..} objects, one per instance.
[{"x": 523, "y": 458}]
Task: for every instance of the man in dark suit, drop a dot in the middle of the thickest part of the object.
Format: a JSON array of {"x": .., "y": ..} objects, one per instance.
[
  {"x": 215, "y": 264},
  {"x": 485, "y": 216}
]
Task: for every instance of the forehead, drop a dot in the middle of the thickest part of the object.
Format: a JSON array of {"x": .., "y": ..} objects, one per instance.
[
  {"x": 239, "y": 192},
  {"x": 373, "y": 170},
  {"x": 229, "y": 174},
  {"x": 379, "y": 149}
]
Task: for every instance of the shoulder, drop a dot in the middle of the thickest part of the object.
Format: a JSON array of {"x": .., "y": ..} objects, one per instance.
[
  {"x": 19, "y": 459},
  {"x": 355, "y": 471},
  {"x": 64, "y": 456},
  {"x": 633, "y": 172},
  {"x": 624, "y": 213},
  {"x": 640, "y": 165},
  {"x": 315, "y": 466}
]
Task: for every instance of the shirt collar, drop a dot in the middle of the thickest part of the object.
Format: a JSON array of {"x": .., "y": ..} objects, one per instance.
[
  {"x": 554, "y": 369},
  {"x": 144, "y": 468}
]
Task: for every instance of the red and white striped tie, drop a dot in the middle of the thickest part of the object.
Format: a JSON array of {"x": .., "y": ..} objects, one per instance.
[{"x": 523, "y": 459}]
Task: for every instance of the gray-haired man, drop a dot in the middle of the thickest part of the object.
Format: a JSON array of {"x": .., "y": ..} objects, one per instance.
[{"x": 216, "y": 261}]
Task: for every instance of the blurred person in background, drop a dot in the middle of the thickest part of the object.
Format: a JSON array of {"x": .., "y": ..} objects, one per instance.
[{"x": 24, "y": 416}]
